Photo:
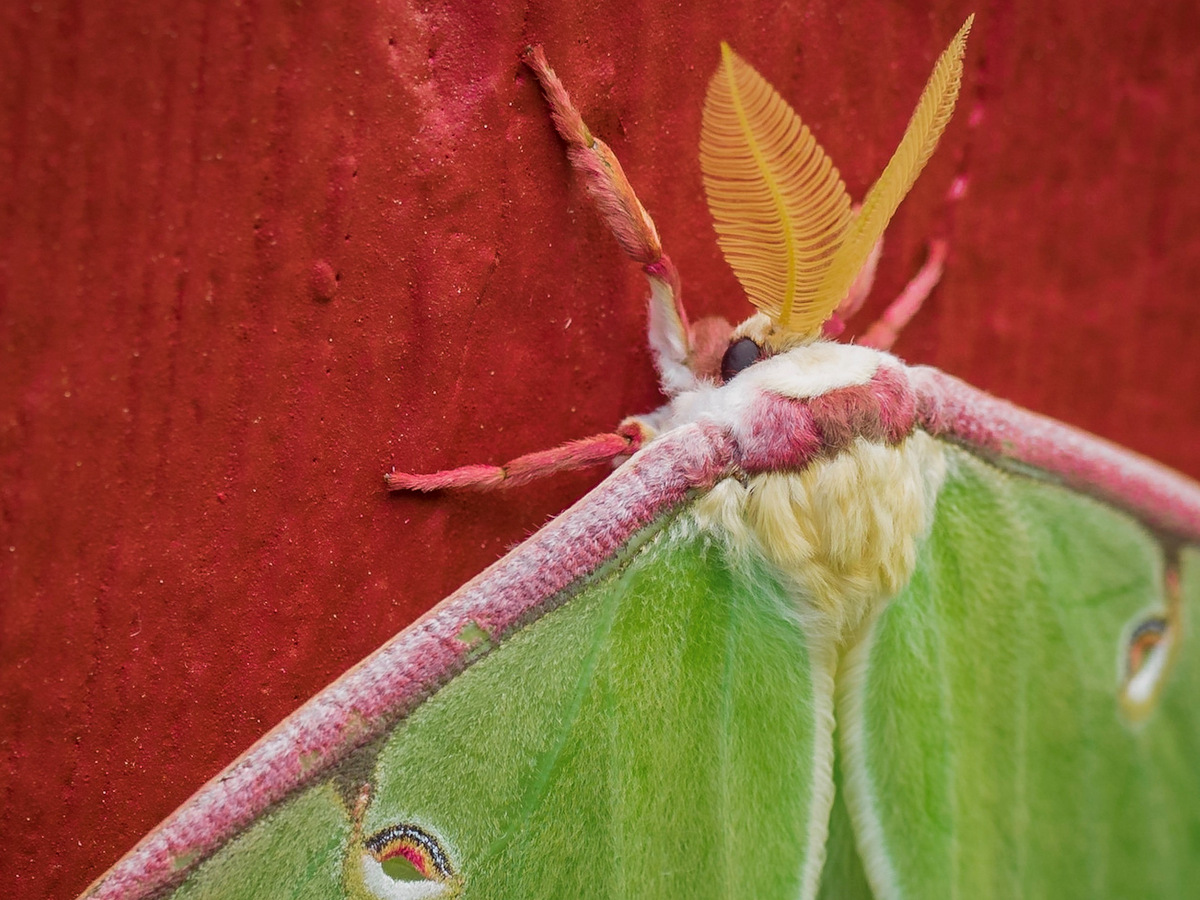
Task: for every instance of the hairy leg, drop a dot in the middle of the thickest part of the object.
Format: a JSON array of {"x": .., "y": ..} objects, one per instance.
[
  {"x": 592, "y": 451},
  {"x": 630, "y": 224},
  {"x": 669, "y": 333},
  {"x": 883, "y": 332}
]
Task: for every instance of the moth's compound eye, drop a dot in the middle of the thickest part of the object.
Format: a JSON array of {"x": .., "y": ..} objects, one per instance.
[
  {"x": 405, "y": 862},
  {"x": 1147, "y": 658},
  {"x": 741, "y": 354}
]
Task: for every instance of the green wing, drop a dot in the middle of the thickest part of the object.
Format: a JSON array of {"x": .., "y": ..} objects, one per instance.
[
  {"x": 984, "y": 752},
  {"x": 662, "y": 734},
  {"x": 667, "y": 733}
]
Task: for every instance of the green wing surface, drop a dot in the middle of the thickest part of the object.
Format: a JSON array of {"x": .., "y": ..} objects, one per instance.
[
  {"x": 637, "y": 703},
  {"x": 983, "y": 750},
  {"x": 662, "y": 734}
]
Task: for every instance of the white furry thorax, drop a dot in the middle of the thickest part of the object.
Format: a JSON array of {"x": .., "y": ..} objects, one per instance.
[
  {"x": 844, "y": 532},
  {"x": 798, "y": 374}
]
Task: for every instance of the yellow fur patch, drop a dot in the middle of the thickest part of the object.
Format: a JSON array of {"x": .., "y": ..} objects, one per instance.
[{"x": 844, "y": 531}]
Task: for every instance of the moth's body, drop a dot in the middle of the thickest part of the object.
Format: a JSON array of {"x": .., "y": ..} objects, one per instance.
[
  {"x": 839, "y": 627},
  {"x": 844, "y": 529},
  {"x": 718, "y": 653}
]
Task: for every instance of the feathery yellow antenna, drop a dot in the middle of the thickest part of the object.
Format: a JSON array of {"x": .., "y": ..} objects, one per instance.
[
  {"x": 920, "y": 138},
  {"x": 779, "y": 205},
  {"x": 781, "y": 211}
]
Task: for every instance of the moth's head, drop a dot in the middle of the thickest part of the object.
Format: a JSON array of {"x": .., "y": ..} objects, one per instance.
[
  {"x": 782, "y": 214},
  {"x": 735, "y": 349}
]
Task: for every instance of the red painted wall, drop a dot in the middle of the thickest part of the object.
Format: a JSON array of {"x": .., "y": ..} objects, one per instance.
[{"x": 251, "y": 255}]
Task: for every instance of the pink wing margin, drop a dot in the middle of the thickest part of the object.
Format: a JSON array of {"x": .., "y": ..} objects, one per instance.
[{"x": 541, "y": 573}]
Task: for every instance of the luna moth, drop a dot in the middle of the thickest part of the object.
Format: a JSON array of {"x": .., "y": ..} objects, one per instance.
[{"x": 836, "y": 626}]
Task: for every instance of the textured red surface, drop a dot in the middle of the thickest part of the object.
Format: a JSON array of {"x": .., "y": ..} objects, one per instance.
[{"x": 253, "y": 255}]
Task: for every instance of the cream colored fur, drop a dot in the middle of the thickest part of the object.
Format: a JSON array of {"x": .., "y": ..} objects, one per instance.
[
  {"x": 668, "y": 340},
  {"x": 816, "y": 369},
  {"x": 844, "y": 531},
  {"x": 824, "y": 660},
  {"x": 799, "y": 374},
  {"x": 859, "y": 793}
]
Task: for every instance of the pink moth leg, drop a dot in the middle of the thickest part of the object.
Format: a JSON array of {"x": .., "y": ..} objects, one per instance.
[
  {"x": 670, "y": 334},
  {"x": 860, "y": 289},
  {"x": 884, "y": 331},
  {"x": 592, "y": 451}
]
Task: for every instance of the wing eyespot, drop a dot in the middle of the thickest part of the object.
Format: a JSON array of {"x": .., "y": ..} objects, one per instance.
[
  {"x": 739, "y": 355},
  {"x": 1146, "y": 658},
  {"x": 406, "y": 862}
]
